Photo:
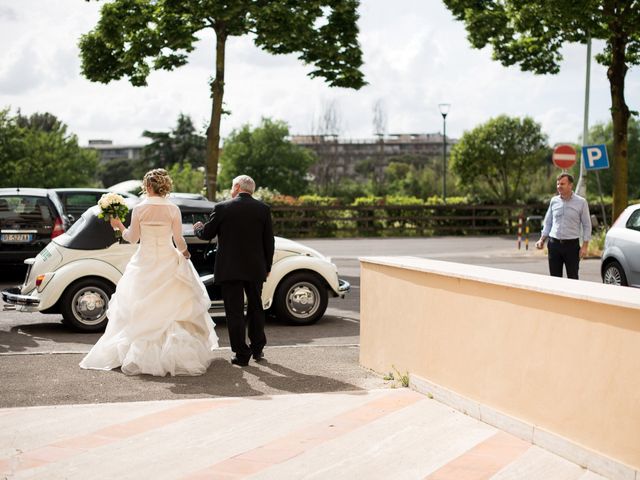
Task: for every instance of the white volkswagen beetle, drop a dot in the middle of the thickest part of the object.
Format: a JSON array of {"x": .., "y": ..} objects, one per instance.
[{"x": 77, "y": 272}]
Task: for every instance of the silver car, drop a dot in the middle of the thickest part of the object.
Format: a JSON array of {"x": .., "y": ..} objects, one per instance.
[{"x": 621, "y": 256}]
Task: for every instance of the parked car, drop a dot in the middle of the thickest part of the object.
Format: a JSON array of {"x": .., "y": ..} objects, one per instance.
[
  {"x": 76, "y": 274},
  {"x": 75, "y": 201},
  {"x": 29, "y": 219},
  {"x": 621, "y": 257},
  {"x": 188, "y": 196}
]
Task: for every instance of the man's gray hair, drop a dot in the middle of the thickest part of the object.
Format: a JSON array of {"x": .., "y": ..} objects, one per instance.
[{"x": 246, "y": 183}]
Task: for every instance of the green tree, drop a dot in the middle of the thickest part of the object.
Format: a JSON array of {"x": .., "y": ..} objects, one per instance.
[
  {"x": 44, "y": 122},
  {"x": 496, "y": 160},
  {"x": 116, "y": 170},
  {"x": 603, "y": 133},
  {"x": 157, "y": 154},
  {"x": 268, "y": 157},
  {"x": 190, "y": 147},
  {"x": 531, "y": 33},
  {"x": 182, "y": 145},
  {"x": 134, "y": 37},
  {"x": 42, "y": 154},
  {"x": 400, "y": 178},
  {"x": 186, "y": 178}
]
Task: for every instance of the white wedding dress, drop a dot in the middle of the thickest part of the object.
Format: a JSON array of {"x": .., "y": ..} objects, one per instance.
[{"x": 158, "y": 316}]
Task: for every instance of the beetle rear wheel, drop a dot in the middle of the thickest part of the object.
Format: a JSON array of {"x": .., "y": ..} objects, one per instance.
[{"x": 84, "y": 304}]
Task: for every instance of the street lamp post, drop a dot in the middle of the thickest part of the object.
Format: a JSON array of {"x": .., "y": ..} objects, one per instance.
[{"x": 444, "y": 110}]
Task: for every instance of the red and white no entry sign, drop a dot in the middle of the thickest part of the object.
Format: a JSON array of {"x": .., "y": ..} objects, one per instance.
[{"x": 564, "y": 156}]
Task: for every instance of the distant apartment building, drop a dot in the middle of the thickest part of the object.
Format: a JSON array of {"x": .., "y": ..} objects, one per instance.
[
  {"x": 355, "y": 158},
  {"x": 108, "y": 151}
]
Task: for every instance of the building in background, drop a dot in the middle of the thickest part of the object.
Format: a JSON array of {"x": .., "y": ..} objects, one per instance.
[
  {"x": 357, "y": 158},
  {"x": 108, "y": 151},
  {"x": 338, "y": 158}
]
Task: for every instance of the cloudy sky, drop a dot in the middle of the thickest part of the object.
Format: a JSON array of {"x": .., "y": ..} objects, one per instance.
[{"x": 416, "y": 56}]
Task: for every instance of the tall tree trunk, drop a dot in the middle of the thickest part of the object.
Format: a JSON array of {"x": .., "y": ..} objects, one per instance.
[
  {"x": 619, "y": 117},
  {"x": 213, "y": 132}
]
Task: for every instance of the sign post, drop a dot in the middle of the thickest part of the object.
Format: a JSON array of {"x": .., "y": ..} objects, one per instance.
[
  {"x": 564, "y": 156},
  {"x": 594, "y": 157}
]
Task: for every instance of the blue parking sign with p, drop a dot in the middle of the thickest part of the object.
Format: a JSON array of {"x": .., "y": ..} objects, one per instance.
[{"x": 595, "y": 157}]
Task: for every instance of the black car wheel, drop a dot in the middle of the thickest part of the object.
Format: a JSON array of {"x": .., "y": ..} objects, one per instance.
[
  {"x": 301, "y": 299},
  {"x": 613, "y": 274},
  {"x": 85, "y": 302}
]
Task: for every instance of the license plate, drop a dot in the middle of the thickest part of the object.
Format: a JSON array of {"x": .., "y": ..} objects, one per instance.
[{"x": 16, "y": 237}]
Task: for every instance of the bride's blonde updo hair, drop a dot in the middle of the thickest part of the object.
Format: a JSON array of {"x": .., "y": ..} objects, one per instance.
[{"x": 158, "y": 181}]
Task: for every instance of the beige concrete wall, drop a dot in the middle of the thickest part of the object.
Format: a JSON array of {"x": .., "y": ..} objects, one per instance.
[{"x": 560, "y": 354}]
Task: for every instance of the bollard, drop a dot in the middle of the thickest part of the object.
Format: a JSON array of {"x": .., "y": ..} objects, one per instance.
[
  {"x": 519, "y": 231},
  {"x": 527, "y": 228}
]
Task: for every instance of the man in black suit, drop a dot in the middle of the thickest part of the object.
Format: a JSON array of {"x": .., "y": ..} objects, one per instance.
[{"x": 243, "y": 262}]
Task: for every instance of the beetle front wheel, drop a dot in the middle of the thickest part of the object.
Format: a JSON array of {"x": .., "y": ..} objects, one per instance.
[{"x": 301, "y": 299}]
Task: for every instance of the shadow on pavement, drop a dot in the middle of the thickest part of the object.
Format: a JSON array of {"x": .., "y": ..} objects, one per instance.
[
  {"x": 225, "y": 380},
  {"x": 58, "y": 380},
  {"x": 30, "y": 336}
]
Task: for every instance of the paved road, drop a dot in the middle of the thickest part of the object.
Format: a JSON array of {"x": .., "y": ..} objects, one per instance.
[{"x": 39, "y": 355}]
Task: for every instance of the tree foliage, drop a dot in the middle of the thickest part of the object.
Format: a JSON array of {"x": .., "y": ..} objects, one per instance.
[
  {"x": 186, "y": 178},
  {"x": 410, "y": 179},
  {"x": 182, "y": 145},
  {"x": 37, "y": 151},
  {"x": 116, "y": 170},
  {"x": 266, "y": 154},
  {"x": 531, "y": 33},
  {"x": 132, "y": 38},
  {"x": 496, "y": 160}
]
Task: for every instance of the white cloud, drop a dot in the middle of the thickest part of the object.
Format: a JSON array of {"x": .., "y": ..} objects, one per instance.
[
  {"x": 7, "y": 14},
  {"x": 416, "y": 56},
  {"x": 20, "y": 72}
]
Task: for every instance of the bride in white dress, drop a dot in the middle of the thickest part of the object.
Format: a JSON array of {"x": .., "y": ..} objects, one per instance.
[{"x": 158, "y": 316}]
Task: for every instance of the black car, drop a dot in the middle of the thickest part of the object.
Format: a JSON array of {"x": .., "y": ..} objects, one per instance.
[
  {"x": 75, "y": 201},
  {"x": 29, "y": 219}
]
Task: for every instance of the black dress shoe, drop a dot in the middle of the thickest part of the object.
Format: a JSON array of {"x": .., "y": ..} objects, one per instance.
[
  {"x": 240, "y": 362},
  {"x": 258, "y": 356}
]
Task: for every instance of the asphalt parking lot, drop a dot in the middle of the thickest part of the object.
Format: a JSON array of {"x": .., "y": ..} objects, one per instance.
[{"x": 39, "y": 355}]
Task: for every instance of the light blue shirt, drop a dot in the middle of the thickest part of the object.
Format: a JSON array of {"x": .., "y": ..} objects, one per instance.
[{"x": 565, "y": 217}]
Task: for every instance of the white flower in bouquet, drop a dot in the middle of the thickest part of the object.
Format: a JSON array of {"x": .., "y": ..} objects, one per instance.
[{"x": 111, "y": 206}]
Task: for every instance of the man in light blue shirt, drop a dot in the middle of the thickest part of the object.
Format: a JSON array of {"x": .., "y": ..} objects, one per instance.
[{"x": 568, "y": 213}]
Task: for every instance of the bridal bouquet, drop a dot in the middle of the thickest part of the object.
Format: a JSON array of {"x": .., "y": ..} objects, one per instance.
[{"x": 112, "y": 205}]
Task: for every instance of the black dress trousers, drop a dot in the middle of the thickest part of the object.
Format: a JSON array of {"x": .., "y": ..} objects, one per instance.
[
  {"x": 237, "y": 324},
  {"x": 564, "y": 253}
]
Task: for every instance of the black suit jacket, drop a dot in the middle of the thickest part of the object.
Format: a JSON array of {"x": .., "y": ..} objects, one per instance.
[{"x": 245, "y": 239}]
